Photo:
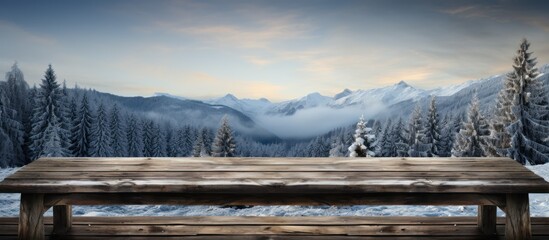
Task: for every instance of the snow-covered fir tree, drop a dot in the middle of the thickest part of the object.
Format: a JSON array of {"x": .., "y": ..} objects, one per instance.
[
  {"x": 530, "y": 108},
  {"x": 318, "y": 147},
  {"x": 470, "y": 138},
  {"x": 81, "y": 132},
  {"x": 101, "y": 134},
  {"x": 172, "y": 148},
  {"x": 398, "y": 138},
  {"x": 385, "y": 143},
  {"x": 376, "y": 128},
  {"x": 206, "y": 142},
  {"x": 150, "y": 141},
  {"x": 432, "y": 130},
  {"x": 17, "y": 108},
  {"x": 7, "y": 124},
  {"x": 118, "y": 137},
  {"x": 224, "y": 144},
  {"x": 416, "y": 134},
  {"x": 363, "y": 144},
  {"x": 339, "y": 147},
  {"x": 46, "y": 120},
  {"x": 160, "y": 139},
  {"x": 447, "y": 136},
  {"x": 185, "y": 141},
  {"x": 198, "y": 147},
  {"x": 133, "y": 131}
]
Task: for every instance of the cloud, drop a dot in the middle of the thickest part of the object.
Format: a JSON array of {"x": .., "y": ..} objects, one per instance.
[
  {"x": 529, "y": 14},
  {"x": 315, "y": 121},
  {"x": 258, "y": 61},
  {"x": 263, "y": 34},
  {"x": 14, "y": 31}
]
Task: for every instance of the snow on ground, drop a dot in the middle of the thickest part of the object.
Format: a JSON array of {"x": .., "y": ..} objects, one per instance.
[{"x": 539, "y": 206}]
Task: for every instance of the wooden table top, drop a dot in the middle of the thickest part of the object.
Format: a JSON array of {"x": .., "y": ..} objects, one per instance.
[{"x": 274, "y": 175}]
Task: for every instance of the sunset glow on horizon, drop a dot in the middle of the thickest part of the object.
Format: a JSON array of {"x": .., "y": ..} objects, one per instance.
[{"x": 274, "y": 49}]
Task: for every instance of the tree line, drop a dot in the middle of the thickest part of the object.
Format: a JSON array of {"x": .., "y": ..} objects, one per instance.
[
  {"x": 519, "y": 128},
  {"x": 53, "y": 120}
]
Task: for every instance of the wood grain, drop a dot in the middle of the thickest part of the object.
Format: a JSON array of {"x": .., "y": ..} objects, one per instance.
[
  {"x": 517, "y": 224},
  {"x": 31, "y": 219},
  {"x": 62, "y": 219},
  {"x": 487, "y": 219}
]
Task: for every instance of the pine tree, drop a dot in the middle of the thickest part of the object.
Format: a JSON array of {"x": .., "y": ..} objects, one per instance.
[
  {"x": 470, "y": 138},
  {"x": 376, "y": 128},
  {"x": 118, "y": 138},
  {"x": 206, "y": 142},
  {"x": 135, "y": 144},
  {"x": 224, "y": 144},
  {"x": 101, "y": 134},
  {"x": 16, "y": 108},
  {"x": 363, "y": 144},
  {"x": 66, "y": 118},
  {"x": 187, "y": 140},
  {"x": 46, "y": 121},
  {"x": 318, "y": 147},
  {"x": 338, "y": 145},
  {"x": 432, "y": 131},
  {"x": 172, "y": 148},
  {"x": 149, "y": 139},
  {"x": 416, "y": 134},
  {"x": 385, "y": 142},
  {"x": 81, "y": 137},
  {"x": 159, "y": 138},
  {"x": 398, "y": 137},
  {"x": 7, "y": 123},
  {"x": 447, "y": 136},
  {"x": 198, "y": 147},
  {"x": 530, "y": 109}
]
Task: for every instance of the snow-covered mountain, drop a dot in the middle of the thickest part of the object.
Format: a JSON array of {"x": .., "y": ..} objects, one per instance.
[
  {"x": 250, "y": 107},
  {"x": 386, "y": 95},
  {"x": 191, "y": 112},
  {"x": 293, "y": 116},
  {"x": 342, "y": 94},
  {"x": 291, "y": 107}
]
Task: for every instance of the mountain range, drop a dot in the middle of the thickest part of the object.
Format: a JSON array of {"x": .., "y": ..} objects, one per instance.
[{"x": 315, "y": 114}]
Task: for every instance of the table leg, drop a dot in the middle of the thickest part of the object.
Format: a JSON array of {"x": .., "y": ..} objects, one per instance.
[
  {"x": 31, "y": 217},
  {"x": 517, "y": 222},
  {"x": 62, "y": 219},
  {"x": 486, "y": 219}
]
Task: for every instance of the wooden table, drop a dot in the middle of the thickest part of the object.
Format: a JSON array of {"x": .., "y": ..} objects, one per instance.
[{"x": 486, "y": 182}]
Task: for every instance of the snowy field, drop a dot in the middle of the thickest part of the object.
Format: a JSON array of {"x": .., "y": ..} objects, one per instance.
[{"x": 539, "y": 206}]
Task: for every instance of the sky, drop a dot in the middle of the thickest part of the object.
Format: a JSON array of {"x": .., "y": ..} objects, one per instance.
[{"x": 279, "y": 50}]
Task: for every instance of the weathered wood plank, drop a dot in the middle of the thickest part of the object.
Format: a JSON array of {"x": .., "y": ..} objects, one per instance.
[
  {"x": 279, "y": 162},
  {"x": 517, "y": 224},
  {"x": 269, "y": 175},
  {"x": 270, "y": 168},
  {"x": 277, "y": 186},
  {"x": 8, "y": 226},
  {"x": 274, "y": 220},
  {"x": 285, "y": 159},
  {"x": 31, "y": 217},
  {"x": 276, "y": 199},
  {"x": 487, "y": 219},
  {"x": 62, "y": 219}
]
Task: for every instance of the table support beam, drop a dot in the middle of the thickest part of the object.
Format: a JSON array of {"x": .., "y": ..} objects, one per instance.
[
  {"x": 62, "y": 219},
  {"x": 517, "y": 222},
  {"x": 487, "y": 219},
  {"x": 31, "y": 217}
]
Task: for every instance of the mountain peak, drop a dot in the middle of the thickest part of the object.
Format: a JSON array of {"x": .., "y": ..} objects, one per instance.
[
  {"x": 230, "y": 96},
  {"x": 343, "y": 93},
  {"x": 264, "y": 100},
  {"x": 403, "y": 83}
]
